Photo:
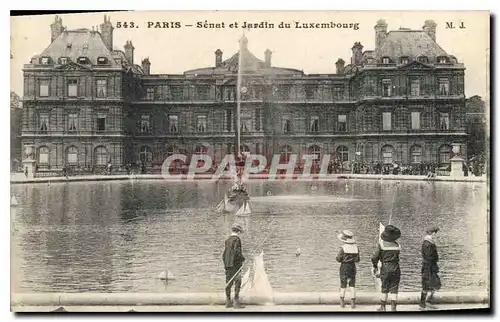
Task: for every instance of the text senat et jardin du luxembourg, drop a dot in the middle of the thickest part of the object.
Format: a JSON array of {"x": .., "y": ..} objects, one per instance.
[{"x": 237, "y": 24}]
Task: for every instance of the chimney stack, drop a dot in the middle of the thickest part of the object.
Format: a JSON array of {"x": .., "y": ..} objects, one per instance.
[
  {"x": 146, "y": 66},
  {"x": 380, "y": 34},
  {"x": 107, "y": 32},
  {"x": 268, "y": 55},
  {"x": 340, "y": 64},
  {"x": 56, "y": 28},
  {"x": 357, "y": 53},
  {"x": 430, "y": 28},
  {"x": 129, "y": 52},
  {"x": 218, "y": 58}
]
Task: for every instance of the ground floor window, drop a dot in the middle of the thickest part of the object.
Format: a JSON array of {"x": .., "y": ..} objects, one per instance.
[
  {"x": 387, "y": 154},
  {"x": 444, "y": 155},
  {"x": 343, "y": 153},
  {"x": 416, "y": 154},
  {"x": 72, "y": 155},
  {"x": 101, "y": 156},
  {"x": 145, "y": 155},
  {"x": 43, "y": 155},
  {"x": 316, "y": 151},
  {"x": 285, "y": 152}
]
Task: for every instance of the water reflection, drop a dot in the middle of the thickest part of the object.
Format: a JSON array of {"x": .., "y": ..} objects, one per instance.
[{"x": 117, "y": 236}]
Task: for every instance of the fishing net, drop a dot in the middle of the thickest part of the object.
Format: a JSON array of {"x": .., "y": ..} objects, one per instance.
[{"x": 256, "y": 284}]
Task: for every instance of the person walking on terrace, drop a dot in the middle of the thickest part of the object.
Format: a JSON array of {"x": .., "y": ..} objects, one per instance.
[
  {"x": 233, "y": 261},
  {"x": 348, "y": 256},
  {"x": 430, "y": 278},
  {"x": 390, "y": 273}
]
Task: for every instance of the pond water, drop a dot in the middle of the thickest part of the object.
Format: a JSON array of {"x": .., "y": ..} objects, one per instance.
[{"x": 117, "y": 236}]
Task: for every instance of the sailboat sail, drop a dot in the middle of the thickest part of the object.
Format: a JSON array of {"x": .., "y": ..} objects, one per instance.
[
  {"x": 244, "y": 209},
  {"x": 258, "y": 288}
]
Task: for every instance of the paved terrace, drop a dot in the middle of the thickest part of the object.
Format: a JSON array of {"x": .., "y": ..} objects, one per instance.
[
  {"x": 199, "y": 302},
  {"x": 20, "y": 178}
]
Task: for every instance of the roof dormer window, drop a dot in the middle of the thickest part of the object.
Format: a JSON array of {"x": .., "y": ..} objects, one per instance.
[
  {"x": 404, "y": 60},
  {"x": 82, "y": 60},
  {"x": 64, "y": 60},
  {"x": 423, "y": 59},
  {"x": 102, "y": 60},
  {"x": 442, "y": 60},
  {"x": 44, "y": 60},
  {"x": 385, "y": 60}
]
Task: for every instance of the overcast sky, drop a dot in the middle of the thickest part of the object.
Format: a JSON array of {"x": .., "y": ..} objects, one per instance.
[{"x": 173, "y": 51}]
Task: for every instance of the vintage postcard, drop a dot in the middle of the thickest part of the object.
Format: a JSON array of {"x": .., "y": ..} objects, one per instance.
[{"x": 250, "y": 161}]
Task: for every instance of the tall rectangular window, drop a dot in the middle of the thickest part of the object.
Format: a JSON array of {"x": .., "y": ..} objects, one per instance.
[
  {"x": 342, "y": 123},
  {"x": 102, "y": 88},
  {"x": 415, "y": 120},
  {"x": 257, "y": 119},
  {"x": 44, "y": 88},
  {"x": 173, "y": 123},
  {"x": 386, "y": 121},
  {"x": 286, "y": 124},
  {"x": 314, "y": 125},
  {"x": 444, "y": 86},
  {"x": 386, "y": 88},
  {"x": 228, "y": 124},
  {"x": 246, "y": 122},
  {"x": 101, "y": 122},
  {"x": 444, "y": 121},
  {"x": 43, "y": 122},
  {"x": 72, "y": 87},
  {"x": 415, "y": 87},
  {"x": 201, "y": 123},
  {"x": 145, "y": 124},
  {"x": 150, "y": 94},
  {"x": 72, "y": 121}
]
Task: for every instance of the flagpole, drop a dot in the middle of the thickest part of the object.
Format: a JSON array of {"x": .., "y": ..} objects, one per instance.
[{"x": 238, "y": 99}]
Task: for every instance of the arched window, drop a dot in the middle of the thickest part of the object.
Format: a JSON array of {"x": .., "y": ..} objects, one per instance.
[
  {"x": 387, "y": 154},
  {"x": 444, "y": 155},
  {"x": 145, "y": 155},
  {"x": 72, "y": 155},
  {"x": 416, "y": 154},
  {"x": 343, "y": 153},
  {"x": 285, "y": 152},
  {"x": 43, "y": 155},
  {"x": 101, "y": 156},
  {"x": 316, "y": 151}
]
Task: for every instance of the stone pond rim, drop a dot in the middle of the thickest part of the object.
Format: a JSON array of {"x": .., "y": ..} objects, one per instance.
[{"x": 291, "y": 298}]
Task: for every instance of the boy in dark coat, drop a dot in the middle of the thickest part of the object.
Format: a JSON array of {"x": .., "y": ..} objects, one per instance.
[
  {"x": 233, "y": 261},
  {"x": 390, "y": 273},
  {"x": 348, "y": 256},
  {"x": 430, "y": 278}
]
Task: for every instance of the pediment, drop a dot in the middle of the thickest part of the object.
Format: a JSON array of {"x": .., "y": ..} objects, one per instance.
[
  {"x": 415, "y": 65},
  {"x": 72, "y": 66}
]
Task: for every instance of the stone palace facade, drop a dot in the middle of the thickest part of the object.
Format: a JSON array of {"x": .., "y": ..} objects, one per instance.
[{"x": 87, "y": 103}]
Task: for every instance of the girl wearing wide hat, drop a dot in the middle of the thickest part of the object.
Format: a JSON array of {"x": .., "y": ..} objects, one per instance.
[
  {"x": 390, "y": 273},
  {"x": 430, "y": 278},
  {"x": 348, "y": 256}
]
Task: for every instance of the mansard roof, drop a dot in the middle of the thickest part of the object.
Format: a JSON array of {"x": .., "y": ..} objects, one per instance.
[
  {"x": 409, "y": 43},
  {"x": 79, "y": 43}
]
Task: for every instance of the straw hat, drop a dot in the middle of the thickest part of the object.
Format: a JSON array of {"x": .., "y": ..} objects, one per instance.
[
  {"x": 347, "y": 237},
  {"x": 236, "y": 226}
]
